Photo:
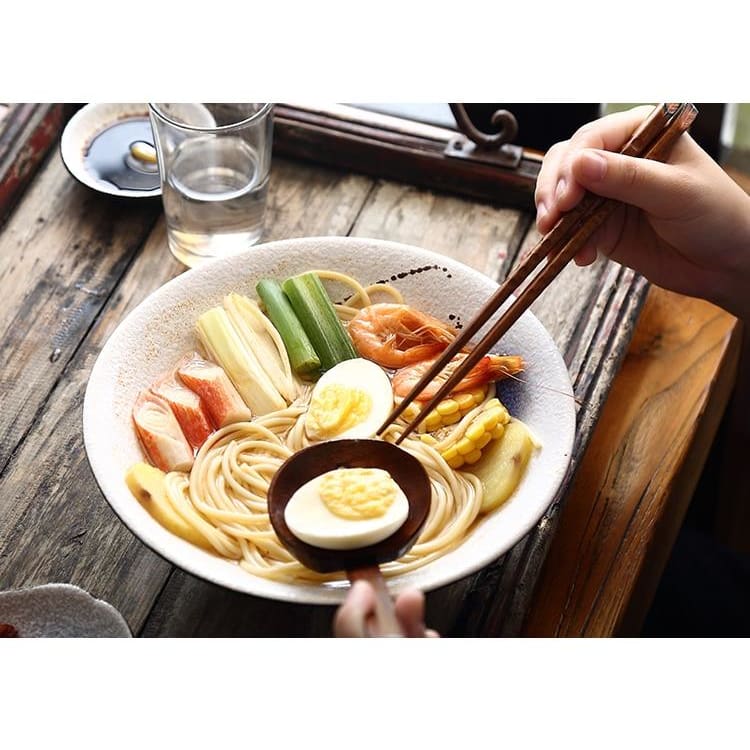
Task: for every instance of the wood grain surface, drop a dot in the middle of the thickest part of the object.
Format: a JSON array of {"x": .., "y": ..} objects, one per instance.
[
  {"x": 633, "y": 486},
  {"x": 27, "y": 132}
]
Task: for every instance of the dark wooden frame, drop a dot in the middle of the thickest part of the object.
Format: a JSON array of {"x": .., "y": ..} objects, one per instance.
[{"x": 399, "y": 149}]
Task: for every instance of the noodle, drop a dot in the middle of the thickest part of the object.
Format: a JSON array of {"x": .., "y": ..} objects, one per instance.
[{"x": 224, "y": 498}]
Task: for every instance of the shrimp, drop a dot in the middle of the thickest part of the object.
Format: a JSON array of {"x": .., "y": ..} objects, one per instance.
[
  {"x": 395, "y": 336},
  {"x": 490, "y": 368}
]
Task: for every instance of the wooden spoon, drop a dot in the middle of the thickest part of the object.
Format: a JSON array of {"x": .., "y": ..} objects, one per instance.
[{"x": 361, "y": 563}]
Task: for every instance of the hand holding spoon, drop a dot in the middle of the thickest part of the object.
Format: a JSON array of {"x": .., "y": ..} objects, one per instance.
[{"x": 361, "y": 562}]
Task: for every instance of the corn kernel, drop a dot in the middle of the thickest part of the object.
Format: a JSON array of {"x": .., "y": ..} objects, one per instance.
[
  {"x": 464, "y": 446},
  {"x": 500, "y": 412},
  {"x": 450, "y": 453},
  {"x": 410, "y": 412},
  {"x": 452, "y": 418},
  {"x": 456, "y": 462},
  {"x": 432, "y": 421},
  {"x": 473, "y": 457},
  {"x": 478, "y": 394},
  {"x": 486, "y": 437},
  {"x": 488, "y": 420},
  {"x": 465, "y": 401},
  {"x": 498, "y": 432},
  {"x": 453, "y": 458},
  {"x": 475, "y": 430},
  {"x": 447, "y": 407}
]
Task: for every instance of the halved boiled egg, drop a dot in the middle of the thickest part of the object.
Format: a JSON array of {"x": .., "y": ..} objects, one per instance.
[
  {"x": 351, "y": 400},
  {"x": 347, "y": 509}
]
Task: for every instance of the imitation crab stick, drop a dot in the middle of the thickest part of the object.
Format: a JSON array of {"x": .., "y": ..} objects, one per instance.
[
  {"x": 160, "y": 433},
  {"x": 187, "y": 407},
  {"x": 223, "y": 403}
]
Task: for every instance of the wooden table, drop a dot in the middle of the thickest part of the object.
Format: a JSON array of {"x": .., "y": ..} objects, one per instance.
[{"x": 74, "y": 262}]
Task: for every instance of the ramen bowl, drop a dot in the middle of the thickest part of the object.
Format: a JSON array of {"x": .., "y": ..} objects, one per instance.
[{"x": 160, "y": 330}]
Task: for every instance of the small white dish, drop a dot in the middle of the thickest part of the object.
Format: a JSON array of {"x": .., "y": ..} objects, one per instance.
[
  {"x": 161, "y": 329},
  {"x": 96, "y": 120},
  {"x": 60, "y": 610}
]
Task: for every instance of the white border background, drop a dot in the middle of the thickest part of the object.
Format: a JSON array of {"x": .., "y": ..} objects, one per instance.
[{"x": 475, "y": 694}]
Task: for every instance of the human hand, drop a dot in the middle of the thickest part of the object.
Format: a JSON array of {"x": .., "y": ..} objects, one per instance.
[
  {"x": 685, "y": 224},
  {"x": 354, "y": 618}
]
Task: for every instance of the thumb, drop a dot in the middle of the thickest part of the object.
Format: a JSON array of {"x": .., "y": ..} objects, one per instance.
[{"x": 647, "y": 184}]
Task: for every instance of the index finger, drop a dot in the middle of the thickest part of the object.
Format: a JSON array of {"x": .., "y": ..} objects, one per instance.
[
  {"x": 609, "y": 133},
  {"x": 556, "y": 190}
]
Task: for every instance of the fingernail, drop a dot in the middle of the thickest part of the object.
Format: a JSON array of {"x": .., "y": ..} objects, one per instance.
[
  {"x": 541, "y": 212},
  {"x": 593, "y": 166},
  {"x": 560, "y": 189}
]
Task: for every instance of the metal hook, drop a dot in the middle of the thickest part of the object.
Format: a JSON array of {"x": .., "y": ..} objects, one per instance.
[
  {"x": 494, "y": 148},
  {"x": 502, "y": 119}
]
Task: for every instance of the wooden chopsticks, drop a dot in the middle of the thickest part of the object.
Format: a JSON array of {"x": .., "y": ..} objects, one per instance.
[{"x": 652, "y": 140}]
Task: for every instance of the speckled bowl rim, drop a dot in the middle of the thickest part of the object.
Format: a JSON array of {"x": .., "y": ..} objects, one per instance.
[{"x": 548, "y": 395}]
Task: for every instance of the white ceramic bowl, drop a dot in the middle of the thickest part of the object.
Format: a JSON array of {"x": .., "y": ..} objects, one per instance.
[
  {"x": 59, "y": 610},
  {"x": 154, "y": 335}
]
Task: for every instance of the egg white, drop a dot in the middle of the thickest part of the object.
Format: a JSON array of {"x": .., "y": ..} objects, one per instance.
[
  {"x": 363, "y": 375},
  {"x": 310, "y": 520}
]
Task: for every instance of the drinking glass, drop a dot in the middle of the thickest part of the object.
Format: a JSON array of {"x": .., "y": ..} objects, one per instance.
[{"x": 214, "y": 161}]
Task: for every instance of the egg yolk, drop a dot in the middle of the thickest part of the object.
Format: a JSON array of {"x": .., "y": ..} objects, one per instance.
[
  {"x": 337, "y": 408},
  {"x": 355, "y": 494}
]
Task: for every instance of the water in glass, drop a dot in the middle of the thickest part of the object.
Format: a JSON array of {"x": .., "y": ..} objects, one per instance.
[{"x": 214, "y": 198}]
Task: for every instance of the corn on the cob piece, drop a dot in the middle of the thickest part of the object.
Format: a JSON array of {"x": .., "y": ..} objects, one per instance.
[
  {"x": 449, "y": 411},
  {"x": 487, "y": 425}
]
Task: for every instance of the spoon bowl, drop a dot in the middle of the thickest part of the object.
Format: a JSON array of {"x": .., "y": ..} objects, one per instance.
[
  {"x": 311, "y": 462},
  {"x": 360, "y": 563}
]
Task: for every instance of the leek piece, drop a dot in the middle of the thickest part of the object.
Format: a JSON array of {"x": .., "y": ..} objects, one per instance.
[
  {"x": 316, "y": 313},
  {"x": 259, "y": 335},
  {"x": 225, "y": 347},
  {"x": 301, "y": 353}
]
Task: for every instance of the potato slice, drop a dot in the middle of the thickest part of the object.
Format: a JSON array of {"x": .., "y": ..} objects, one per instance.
[
  {"x": 147, "y": 484},
  {"x": 503, "y": 464}
]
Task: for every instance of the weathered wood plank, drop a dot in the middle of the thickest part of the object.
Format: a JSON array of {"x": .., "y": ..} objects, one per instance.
[
  {"x": 27, "y": 131},
  {"x": 482, "y": 236},
  {"x": 625, "y": 505},
  {"x": 50, "y": 532},
  {"x": 62, "y": 253}
]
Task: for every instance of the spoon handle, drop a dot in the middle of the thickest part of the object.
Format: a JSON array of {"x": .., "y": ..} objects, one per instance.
[{"x": 384, "y": 622}]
